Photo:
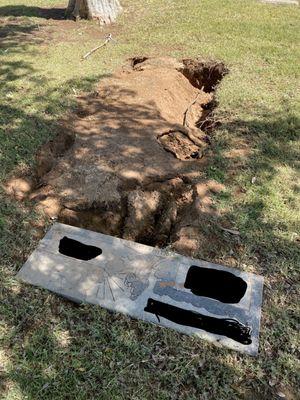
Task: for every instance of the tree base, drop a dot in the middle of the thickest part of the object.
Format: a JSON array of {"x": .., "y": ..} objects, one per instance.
[{"x": 106, "y": 11}]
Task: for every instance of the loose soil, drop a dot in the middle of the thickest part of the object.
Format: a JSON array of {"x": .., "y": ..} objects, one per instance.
[{"x": 129, "y": 162}]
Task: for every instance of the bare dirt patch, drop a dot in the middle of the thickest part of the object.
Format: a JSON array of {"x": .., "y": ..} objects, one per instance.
[
  {"x": 17, "y": 27},
  {"x": 130, "y": 161}
]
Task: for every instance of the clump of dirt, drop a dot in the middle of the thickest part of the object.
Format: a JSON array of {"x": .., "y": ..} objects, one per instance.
[
  {"x": 50, "y": 152},
  {"x": 180, "y": 145},
  {"x": 130, "y": 162}
]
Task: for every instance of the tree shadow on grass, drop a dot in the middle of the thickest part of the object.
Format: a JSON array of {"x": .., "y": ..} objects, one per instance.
[
  {"x": 275, "y": 143},
  {"x": 23, "y": 131},
  {"x": 55, "y": 344},
  {"x": 30, "y": 11},
  {"x": 16, "y": 38}
]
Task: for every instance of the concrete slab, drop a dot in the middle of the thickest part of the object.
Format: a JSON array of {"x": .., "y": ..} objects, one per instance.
[
  {"x": 149, "y": 284},
  {"x": 287, "y": 2}
]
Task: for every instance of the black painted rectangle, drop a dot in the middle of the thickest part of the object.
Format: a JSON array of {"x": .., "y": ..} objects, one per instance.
[
  {"x": 215, "y": 284},
  {"x": 230, "y": 328},
  {"x": 74, "y": 248}
]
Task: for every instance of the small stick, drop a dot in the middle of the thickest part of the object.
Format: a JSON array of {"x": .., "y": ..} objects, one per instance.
[
  {"x": 189, "y": 107},
  {"x": 107, "y": 40}
]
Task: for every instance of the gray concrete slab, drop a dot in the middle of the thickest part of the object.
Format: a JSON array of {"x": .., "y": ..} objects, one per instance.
[
  {"x": 287, "y": 2},
  {"x": 126, "y": 275}
]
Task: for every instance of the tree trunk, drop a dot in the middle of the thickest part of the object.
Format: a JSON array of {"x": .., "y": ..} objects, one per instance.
[{"x": 106, "y": 11}]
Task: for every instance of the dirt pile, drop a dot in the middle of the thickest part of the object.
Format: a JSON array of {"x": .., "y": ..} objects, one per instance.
[{"x": 130, "y": 162}]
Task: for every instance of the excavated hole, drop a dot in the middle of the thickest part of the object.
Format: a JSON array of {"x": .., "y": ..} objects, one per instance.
[
  {"x": 110, "y": 174},
  {"x": 137, "y": 60},
  {"x": 189, "y": 144},
  {"x": 204, "y": 75}
]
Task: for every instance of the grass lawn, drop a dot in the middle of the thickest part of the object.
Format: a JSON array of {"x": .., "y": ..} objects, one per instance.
[{"x": 53, "y": 349}]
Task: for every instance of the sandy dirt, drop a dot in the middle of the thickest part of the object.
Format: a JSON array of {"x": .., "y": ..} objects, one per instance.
[{"x": 129, "y": 163}]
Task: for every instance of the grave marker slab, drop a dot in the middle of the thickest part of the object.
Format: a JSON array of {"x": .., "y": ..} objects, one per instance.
[
  {"x": 217, "y": 303},
  {"x": 287, "y": 2}
]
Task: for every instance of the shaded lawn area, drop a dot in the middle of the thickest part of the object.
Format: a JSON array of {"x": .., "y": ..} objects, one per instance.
[{"x": 53, "y": 349}]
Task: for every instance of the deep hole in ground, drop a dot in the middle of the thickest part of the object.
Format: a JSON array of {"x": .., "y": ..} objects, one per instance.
[{"x": 129, "y": 162}]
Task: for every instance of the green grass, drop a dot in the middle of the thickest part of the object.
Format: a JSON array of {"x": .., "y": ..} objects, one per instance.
[{"x": 51, "y": 349}]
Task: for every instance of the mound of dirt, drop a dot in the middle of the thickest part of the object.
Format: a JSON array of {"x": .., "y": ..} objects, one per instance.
[{"x": 132, "y": 156}]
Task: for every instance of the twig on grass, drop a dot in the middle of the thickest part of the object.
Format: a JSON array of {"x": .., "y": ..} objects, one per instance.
[
  {"x": 107, "y": 40},
  {"x": 232, "y": 231}
]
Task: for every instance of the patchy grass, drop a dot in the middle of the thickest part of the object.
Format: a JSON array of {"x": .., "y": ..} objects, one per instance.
[{"x": 52, "y": 349}]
